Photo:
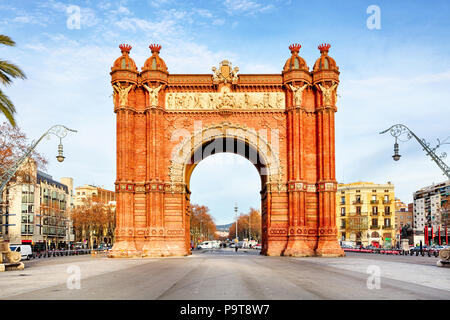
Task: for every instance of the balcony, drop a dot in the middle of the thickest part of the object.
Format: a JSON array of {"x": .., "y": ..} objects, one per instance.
[
  {"x": 374, "y": 227},
  {"x": 387, "y": 227},
  {"x": 358, "y": 202},
  {"x": 374, "y": 201},
  {"x": 387, "y": 201},
  {"x": 355, "y": 214}
]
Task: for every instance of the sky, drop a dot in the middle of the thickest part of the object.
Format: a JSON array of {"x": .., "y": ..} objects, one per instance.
[{"x": 394, "y": 69}]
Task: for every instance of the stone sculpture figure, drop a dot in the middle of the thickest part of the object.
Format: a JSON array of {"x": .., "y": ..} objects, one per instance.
[
  {"x": 327, "y": 92},
  {"x": 234, "y": 74},
  {"x": 279, "y": 99},
  {"x": 123, "y": 94},
  {"x": 266, "y": 100},
  {"x": 170, "y": 101},
  {"x": 153, "y": 94},
  {"x": 298, "y": 94},
  {"x": 212, "y": 101},
  {"x": 197, "y": 104},
  {"x": 247, "y": 100}
]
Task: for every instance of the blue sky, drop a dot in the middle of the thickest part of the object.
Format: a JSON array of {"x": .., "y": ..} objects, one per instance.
[{"x": 396, "y": 74}]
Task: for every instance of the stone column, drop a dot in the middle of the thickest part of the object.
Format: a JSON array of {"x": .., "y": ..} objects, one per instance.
[
  {"x": 327, "y": 185},
  {"x": 298, "y": 243}
]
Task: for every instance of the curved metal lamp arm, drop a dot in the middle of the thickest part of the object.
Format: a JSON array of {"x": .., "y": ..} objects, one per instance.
[
  {"x": 398, "y": 130},
  {"x": 58, "y": 130}
]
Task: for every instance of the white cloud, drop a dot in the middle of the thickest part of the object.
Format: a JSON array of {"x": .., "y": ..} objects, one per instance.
[
  {"x": 218, "y": 22},
  {"x": 246, "y": 7}
]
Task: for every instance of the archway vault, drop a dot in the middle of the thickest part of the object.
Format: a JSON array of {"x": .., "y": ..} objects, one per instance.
[
  {"x": 283, "y": 123},
  {"x": 225, "y": 136}
]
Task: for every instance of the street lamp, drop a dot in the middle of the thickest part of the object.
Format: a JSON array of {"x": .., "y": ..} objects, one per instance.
[
  {"x": 399, "y": 129},
  {"x": 396, "y": 155},
  {"x": 235, "y": 211},
  {"x": 60, "y": 156},
  {"x": 57, "y": 130}
]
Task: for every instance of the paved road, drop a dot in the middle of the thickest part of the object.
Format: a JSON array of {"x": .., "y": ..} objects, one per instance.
[{"x": 224, "y": 274}]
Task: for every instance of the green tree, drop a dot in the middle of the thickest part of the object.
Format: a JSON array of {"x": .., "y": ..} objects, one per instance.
[{"x": 8, "y": 71}]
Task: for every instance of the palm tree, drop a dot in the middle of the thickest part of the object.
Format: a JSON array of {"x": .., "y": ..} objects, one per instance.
[{"x": 7, "y": 72}]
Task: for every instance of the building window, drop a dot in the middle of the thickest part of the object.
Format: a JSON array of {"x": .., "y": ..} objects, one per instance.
[
  {"x": 374, "y": 211},
  {"x": 387, "y": 210},
  {"x": 343, "y": 200},
  {"x": 342, "y": 211},
  {"x": 358, "y": 210},
  {"x": 343, "y": 224},
  {"x": 375, "y": 222},
  {"x": 27, "y": 229},
  {"x": 387, "y": 222}
]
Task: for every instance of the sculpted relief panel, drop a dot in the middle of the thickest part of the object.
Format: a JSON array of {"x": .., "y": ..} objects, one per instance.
[{"x": 224, "y": 100}]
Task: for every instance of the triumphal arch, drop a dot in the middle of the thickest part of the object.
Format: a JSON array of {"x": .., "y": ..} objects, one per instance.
[{"x": 283, "y": 123}]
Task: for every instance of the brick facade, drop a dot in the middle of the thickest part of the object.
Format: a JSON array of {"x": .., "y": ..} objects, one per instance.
[{"x": 291, "y": 145}]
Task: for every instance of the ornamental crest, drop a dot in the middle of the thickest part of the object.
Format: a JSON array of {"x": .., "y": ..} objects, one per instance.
[{"x": 225, "y": 73}]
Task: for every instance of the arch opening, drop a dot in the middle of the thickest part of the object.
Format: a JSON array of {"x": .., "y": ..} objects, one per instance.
[{"x": 239, "y": 148}]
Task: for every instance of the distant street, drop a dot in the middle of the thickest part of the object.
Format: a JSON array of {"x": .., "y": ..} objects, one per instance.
[{"x": 224, "y": 274}]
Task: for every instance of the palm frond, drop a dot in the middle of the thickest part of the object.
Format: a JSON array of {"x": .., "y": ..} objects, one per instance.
[
  {"x": 6, "y": 40},
  {"x": 7, "y": 108},
  {"x": 9, "y": 70}
]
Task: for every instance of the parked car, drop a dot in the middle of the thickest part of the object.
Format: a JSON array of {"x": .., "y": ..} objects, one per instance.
[
  {"x": 103, "y": 246},
  {"x": 258, "y": 246},
  {"x": 79, "y": 245},
  {"x": 24, "y": 249}
]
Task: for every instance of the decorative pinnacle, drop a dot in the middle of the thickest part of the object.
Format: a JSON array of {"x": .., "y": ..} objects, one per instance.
[
  {"x": 295, "y": 47},
  {"x": 324, "y": 47},
  {"x": 155, "y": 48},
  {"x": 125, "y": 48}
]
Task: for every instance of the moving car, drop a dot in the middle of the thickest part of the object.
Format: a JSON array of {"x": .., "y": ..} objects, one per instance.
[
  {"x": 206, "y": 245},
  {"x": 24, "y": 249}
]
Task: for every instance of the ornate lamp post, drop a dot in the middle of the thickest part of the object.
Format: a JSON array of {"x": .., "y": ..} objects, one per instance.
[
  {"x": 399, "y": 129},
  {"x": 235, "y": 211},
  {"x": 57, "y": 130}
]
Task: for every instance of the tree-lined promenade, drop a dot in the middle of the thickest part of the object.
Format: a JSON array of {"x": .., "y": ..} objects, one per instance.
[
  {"x": 249, "y": 226},
  {"x": 203, "y": 227}
]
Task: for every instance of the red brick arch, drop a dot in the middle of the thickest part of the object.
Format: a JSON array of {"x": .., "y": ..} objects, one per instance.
[{"x": 167, "y": 123}]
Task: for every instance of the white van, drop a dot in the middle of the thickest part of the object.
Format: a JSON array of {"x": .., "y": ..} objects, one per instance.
[
  {"x": 24, "y": 249},
  {"x": 206, "y": 245}
]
